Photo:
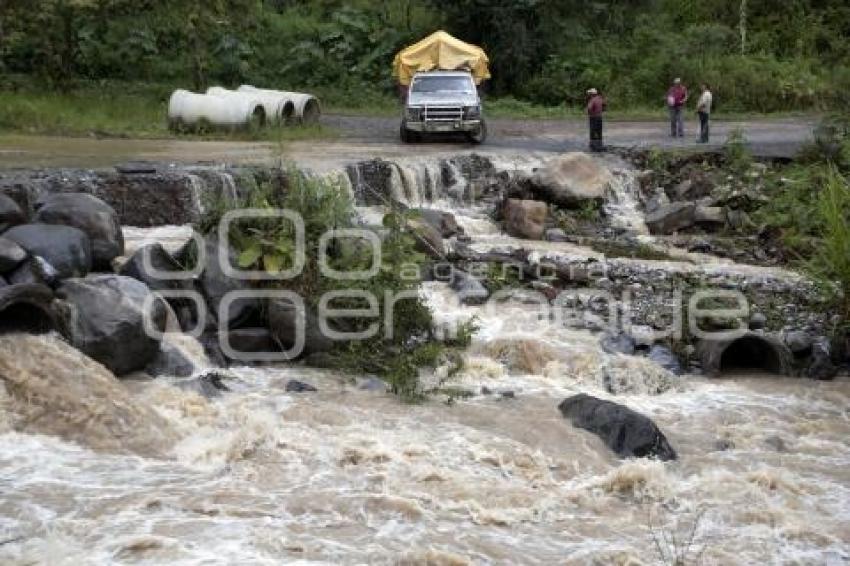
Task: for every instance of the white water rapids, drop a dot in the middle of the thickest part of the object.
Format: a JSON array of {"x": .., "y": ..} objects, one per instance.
[{"x": 97, "y": 471}]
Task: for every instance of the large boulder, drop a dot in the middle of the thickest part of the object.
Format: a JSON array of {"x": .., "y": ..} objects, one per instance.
[
  {"x": 443, "y": 221},
  {"x": 572, "y": 179},
  {"x": 429, "y": 240},
  {"x": 669, "y": 218},
  {"x": 628, "y": 433},
  {"x": 27, "y": 308},
  {"x": 10, "y": 213},
  {"x": 66, "y": 248},
  {"x": 34, "y": 270},
  {"x": 283, "y": 317},
  {"x": 820, "y": 364},
  {"x": 92, "y": 216},
  {"x": 525, "y": 218},
  {"x": 104, "y": 317},
  {"x": 160, "y": 261},
  {"x": 214, "y": 284},
  {"x": 11, "y": 255}
]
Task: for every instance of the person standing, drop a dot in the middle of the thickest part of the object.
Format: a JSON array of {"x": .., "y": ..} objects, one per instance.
[
  {"x": 704, "y": 112},
  {"x": 677, "y": 96},
  {"x": 595, "y": 108}
]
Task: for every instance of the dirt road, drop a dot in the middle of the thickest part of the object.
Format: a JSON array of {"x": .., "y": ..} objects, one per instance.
[{"x": 364, "y": 137}]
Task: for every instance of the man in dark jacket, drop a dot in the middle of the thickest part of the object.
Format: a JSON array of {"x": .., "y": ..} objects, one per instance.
[{"x": 595, "y": 108}]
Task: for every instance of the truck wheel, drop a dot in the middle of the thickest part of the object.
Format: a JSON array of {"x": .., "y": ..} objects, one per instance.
[
  {"x": 405, "y": 134},
  {"x": 479, "y": 135}
]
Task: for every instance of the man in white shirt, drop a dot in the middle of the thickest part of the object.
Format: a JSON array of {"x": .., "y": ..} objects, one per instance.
[{"x": 704, "y": 111}]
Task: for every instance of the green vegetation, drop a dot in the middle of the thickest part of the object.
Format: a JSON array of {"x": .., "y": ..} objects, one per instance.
[
  {"x": 267, "y": 244},
  {"x": 98, "y": 57}
]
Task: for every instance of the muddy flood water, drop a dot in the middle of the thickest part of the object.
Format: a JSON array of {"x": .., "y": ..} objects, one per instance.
[{"x": 349, "y": 475}]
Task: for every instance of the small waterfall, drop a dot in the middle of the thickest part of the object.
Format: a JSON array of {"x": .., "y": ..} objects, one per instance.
[
  {"x": 198, "y": 188},
  {"x": 623, "y": 207},
  {"x": 228, "y": 188}
]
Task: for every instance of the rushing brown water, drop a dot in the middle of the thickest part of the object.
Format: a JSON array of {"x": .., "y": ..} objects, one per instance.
[{"x": 347, "y": 476}]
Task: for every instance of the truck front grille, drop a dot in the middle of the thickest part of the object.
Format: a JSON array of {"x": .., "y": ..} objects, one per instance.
[{"x": 442, "y": 113}]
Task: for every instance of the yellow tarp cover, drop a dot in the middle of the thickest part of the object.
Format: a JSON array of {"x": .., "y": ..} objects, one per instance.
[{"x": 440, "y": 51}]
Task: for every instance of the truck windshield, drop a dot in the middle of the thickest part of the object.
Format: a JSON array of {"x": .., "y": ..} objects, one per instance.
[{"x": 442, "y": 84}]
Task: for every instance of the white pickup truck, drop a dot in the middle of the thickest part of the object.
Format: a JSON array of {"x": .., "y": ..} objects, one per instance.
[{"x": 443, "y": 102}]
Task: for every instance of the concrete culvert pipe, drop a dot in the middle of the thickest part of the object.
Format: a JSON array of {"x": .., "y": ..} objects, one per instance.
[
  {"x": 752, "y": 351},
  {"x": 193, "y": 110},
  {"x": 26, "y": 308},
  {"x": 306, "y": 107},
  {"x": 259, "y": 107}
]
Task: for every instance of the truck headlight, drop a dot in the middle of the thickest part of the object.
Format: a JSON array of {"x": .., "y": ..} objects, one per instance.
[
  {"x": 413, "y": 114},
  {"x": 472, "y": 112}
]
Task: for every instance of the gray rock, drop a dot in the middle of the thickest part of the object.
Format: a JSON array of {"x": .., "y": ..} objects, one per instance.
[
  {"x": 34, "y": 270},
  {"x": 429, "y": 240},
  {"x": 555, "y": 235},
  {"x": 11, "y": 255},
  {"x": 209, "y": 385},
  {"x": 664, "y": 356},
  {"x": 90, "y": 215},
  {"x": 469, "y": 289},
  {"x": 758, "y": 321},
  {"x": 161, "y": 261},
  {"x": 295, "y": 386},
  {"x": 620, "y": 343},
  {"x": 799, "y": 342},
  {"x": 525, "y": 218},
  {"x": 671, "y": 217},
  {"x": 215, "y": 285},
  {"x": 66, "y": 248},
  {"x": 171, "y": 361},
  {"x": 10, "y": 213},
  {"x": 710, "y": 215},
  {"x": 442, "y": 221},
  {"x": 776, "y": 443},
  {"x": 820, "y": 360},
  {"x": 572, "y": 179},
  {"x": 282, "y": 319},
  {"x": 105, "y": 319},
  {"x": 628, "y": 433}
]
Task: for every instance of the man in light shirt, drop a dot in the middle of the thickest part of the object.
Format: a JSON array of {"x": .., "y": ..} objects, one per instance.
[{"x": 704, "y": 112}]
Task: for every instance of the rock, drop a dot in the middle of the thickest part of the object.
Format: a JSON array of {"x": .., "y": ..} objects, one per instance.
[
  {"x": 208, "y": 385},
  {"x": 525, "y": 218},
  {"x": 11, "y": 255},
  {"x": 10, "y": 213},
  {"x": 442, "y": 221},
  {"x": 215, "y": 285},
  {"x": 282, "y": 316},
  {"x": 92, "y": 216},
  {"x": 799, "y": 342},
  {"x": 670, "y": 218},
  {"x": 252, "y": 340},
  {"x": 664, "y": 356},
  {"x": 723, "y": 445},
  {"x": 628, "y": 433},
  {"x": 820, "y": 360},
  {"x": 776, "y": 442},
  {"x": 469, "y": 289},
  {"x": 428, "y": 239},
  {"x": 710, "y": 215},
  {"x": 161, "y": 261},
  {"x": 35, "y": 270},
  {"x": 136, "y": 168},
  {"x": 752, "y": 350},
  {"x": 372, "y": 383},
  {"x": 572, "y": 179},
  {"x": 739, "y": 220},
  {"x": 620, "y": 343},
  {"x": 555, "y": 235},
  {"x": 3, "y": 282},
  {"x": 171, "y": 361},
  {"x": 105, "y": 319},
  {"x": 66, "y": 248},
  {"x": 758, "y": 321},
  {"x": 26, "y": 308},
  {"x": 295, "y": 386}
]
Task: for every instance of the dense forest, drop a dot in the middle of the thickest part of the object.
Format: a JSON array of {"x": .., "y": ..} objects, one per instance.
[{"x": 758, "y": 55}]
